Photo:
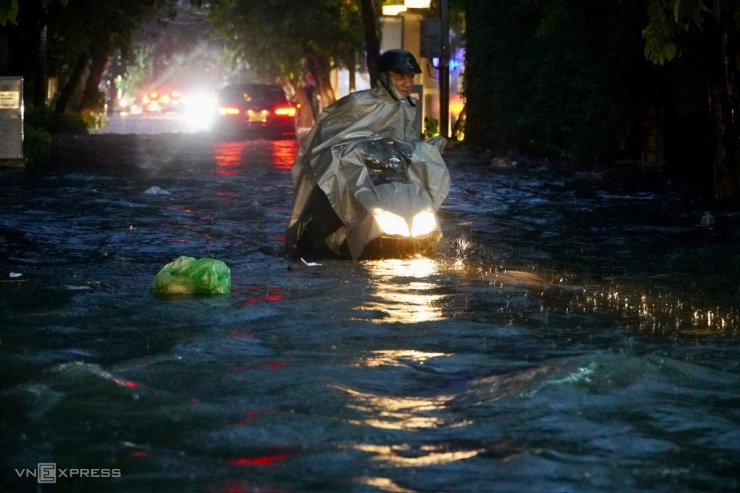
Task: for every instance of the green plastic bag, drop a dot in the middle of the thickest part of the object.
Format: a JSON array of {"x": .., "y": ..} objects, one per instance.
[{"x": 188, "y": 275}]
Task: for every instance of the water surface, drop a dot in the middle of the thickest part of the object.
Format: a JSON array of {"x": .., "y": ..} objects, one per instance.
[{"x": 571, "y": 334}]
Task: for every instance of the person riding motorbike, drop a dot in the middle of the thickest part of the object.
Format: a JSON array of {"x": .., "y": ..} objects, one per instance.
[{"x": 386, "y": 111}]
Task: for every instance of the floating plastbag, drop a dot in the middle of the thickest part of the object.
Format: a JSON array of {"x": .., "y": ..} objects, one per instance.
[{"x": 188, "y": 275}]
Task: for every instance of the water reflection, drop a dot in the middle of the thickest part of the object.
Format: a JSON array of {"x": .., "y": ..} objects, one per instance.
[
  {"x": 401, "y": 292},
  {"x": 666, "y": 308},
  {"x": 397, "y": 357},
  {"x": 283, "y": 152},
  {"x": 228, "y": 157},
  {"x": 385, "y": 484},
  {"x": 231, "y": 156},
  {"x": 408, "y": 456},
  {"x": 398, "y": 412},
  {"x": 660, "y": 312}
]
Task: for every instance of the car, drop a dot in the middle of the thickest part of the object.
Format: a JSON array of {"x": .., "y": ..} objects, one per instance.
[
  {"x": 248, "y": 110},
  {"x": 160, "y": 101}
]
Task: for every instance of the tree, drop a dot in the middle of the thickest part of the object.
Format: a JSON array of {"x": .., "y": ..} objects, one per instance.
[
  {"x": 83, "y": 37},
  {"x": 294, "y": 41},
  {"x": 372, "y": 38},
  {"x": 70, "y": 39},
  {"x": 22, "y": 43},
  {"x": 714, "y": 25},
  {"x": 542, "y": 77},
  {"x": 9, "y": 9}
]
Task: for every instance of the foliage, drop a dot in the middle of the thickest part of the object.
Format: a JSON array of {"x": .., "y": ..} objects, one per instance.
[
  {"x": 667, "y": 19},
  {"x": 713, "y": 30},
  {"x": 9, "y": 9},
  {"x": 172, "y": 51},
  {"x": 36, "y": 143},
  {"x": 542, "y": 77},
  {"x": 277, "y": 37},
  {"x": 46, "y": 119},
  {"x": 431, "y": 127},
  {"x": 40, "y": 123},
  {"x": 92, "y": 29}
]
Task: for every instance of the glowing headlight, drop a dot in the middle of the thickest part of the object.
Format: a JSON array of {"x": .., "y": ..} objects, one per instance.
[
  {"x": 423, "y": 223},
  {"x": 391, "y": 224}
]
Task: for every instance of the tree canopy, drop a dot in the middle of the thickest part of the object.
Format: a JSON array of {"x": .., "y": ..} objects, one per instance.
[
  {"x": 284, "y": 39},
  {"x": 572, "y": 79},
  {"x": 591, "y": 82}
]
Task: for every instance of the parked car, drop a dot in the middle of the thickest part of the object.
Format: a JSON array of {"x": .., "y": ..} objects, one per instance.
[{"x": 247, "y": 110}]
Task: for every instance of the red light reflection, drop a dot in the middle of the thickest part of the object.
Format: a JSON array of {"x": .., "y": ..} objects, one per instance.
[
  {"x": 283, "y": 153},
  {"x": 237, "y": 368},
  {"x": 231, "y": 156},
  {"x": 246, "y": 487},
  {"x": 125, "y": 383},
  {"x": 276, "y": 365},
  {"x": 228, "y": 157},
  {"x": 242, "y": 333},
  {"x": 258, "y": 461},
  {"x": 273, "y": 294},
  {"x": 248, "y": 418}
]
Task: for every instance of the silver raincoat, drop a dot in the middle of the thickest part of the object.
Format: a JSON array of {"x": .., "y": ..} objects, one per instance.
[{"x": 327, "y": 162}]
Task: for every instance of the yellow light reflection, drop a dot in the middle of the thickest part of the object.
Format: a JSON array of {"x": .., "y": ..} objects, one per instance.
[
  {"x": 400, "y": 413},
  {"x": 384, "y": 484},
  {"x": 399, "y": 299},
  {"x": 405, "y": 456},
  {"x": 395, "y": 357},
  {"x": 663, "y": 312}
]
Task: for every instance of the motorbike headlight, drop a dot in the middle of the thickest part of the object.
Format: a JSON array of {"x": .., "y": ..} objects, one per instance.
[
  {"x": 423, "y": 223},
  {"x": 391, "y": 224}
]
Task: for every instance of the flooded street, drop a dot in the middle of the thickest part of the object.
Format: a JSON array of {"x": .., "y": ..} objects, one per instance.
[{"x": 571, "y": 334}]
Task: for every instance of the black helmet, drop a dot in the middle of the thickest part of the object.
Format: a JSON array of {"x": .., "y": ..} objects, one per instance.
[{"x": 399, "y": 61}]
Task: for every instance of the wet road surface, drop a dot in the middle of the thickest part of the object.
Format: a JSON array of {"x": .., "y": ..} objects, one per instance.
[{"x": 571, "y": 334}]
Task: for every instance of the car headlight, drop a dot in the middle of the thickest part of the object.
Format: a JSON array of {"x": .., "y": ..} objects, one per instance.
[
  {"x": 391, "y": 224},
  {"x": 423, "y": 223}
]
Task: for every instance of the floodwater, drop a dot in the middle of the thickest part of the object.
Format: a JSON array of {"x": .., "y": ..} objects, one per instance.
[{"x": 571, "y": 334}]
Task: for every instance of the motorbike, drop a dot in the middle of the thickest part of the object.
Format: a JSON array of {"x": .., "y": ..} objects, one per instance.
[{"x": 374, "y": 198}]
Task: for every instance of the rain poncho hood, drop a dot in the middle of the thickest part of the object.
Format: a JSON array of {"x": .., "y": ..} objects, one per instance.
[{"x": 321, "y": 162}]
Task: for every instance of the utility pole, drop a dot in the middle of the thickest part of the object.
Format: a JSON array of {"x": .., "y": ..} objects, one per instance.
[{"x": 444, "y": 70}]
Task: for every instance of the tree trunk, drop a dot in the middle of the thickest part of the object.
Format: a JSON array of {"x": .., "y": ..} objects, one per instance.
[
  {"x": 65, "y": 95},
  {"x": 319, "y": 68},
  {"x": 721, "y": 45},
  {"x": 91, "y": 101},
  {"x": 352, "y": 75},
  {"x": 372, "y": 38},
  {"x": 306, "y": 116},
  {"x": 22, "y": 57},
  {"x": 40, "y": 83}
]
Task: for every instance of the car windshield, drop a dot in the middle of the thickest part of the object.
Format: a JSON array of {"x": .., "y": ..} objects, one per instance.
[{"x": 256, "y": 93}]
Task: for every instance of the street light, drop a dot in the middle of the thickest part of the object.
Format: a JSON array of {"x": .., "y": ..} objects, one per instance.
[{"x": 444, "y": 70}]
